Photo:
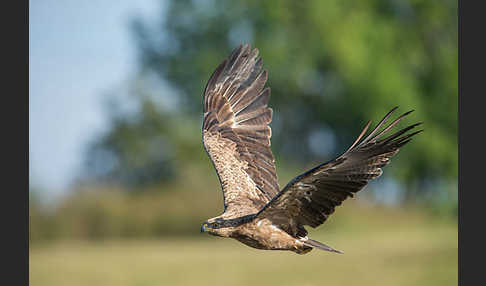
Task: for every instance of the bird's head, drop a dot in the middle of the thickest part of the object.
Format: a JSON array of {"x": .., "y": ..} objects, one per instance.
[{"x": 217, "y": 227}]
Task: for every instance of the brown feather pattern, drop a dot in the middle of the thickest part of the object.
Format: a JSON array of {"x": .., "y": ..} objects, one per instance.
[
  {"x": 236, "y": 112},
  {"x": 236, "y": 136},
  {"x": 310, "y": 198}
]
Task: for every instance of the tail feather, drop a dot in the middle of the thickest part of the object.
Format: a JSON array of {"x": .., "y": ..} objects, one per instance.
[{"x": 319, "y": 245}]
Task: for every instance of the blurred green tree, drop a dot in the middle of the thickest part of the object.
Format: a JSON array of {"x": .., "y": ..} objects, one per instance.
[{"x": 333, "y": 65}]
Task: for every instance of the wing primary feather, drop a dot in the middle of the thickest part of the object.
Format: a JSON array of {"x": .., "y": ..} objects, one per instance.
[
  {"x": 398, "y": 133},
  {"x": 395, "y": 122},
  {"x": 360, "y": 135},
  {"x": 211, "y": 83},
  {"x": 383, "y": 121}
]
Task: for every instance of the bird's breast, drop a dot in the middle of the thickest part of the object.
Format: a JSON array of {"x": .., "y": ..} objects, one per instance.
[{"x": 262, "y": 234}]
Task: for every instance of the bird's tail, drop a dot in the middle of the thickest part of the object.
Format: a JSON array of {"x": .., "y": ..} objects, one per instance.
[{"x": 316, "y": 244}]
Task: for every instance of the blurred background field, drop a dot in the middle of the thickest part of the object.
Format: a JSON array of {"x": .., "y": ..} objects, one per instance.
[
  {"x": 382, "y": 246},
  {"x": 129, "y": 213}
]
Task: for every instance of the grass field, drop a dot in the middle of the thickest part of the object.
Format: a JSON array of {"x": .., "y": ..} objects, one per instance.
[{"x": 381, "y": 247}]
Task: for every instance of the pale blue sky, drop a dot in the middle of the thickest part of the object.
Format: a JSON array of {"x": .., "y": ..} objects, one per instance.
[{"x": 77, "y": 51}]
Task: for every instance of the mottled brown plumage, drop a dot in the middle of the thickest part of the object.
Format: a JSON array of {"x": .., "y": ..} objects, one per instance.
[{"x": 236, "y": 137}]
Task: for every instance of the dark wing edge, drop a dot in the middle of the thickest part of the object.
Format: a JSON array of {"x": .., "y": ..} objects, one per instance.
[
  {"x": 235, "y": 108},
  {"x": 310, "y": 198}
]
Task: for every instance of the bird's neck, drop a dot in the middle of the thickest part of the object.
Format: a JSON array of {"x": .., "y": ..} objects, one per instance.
[{"x": 230, "y": 221}]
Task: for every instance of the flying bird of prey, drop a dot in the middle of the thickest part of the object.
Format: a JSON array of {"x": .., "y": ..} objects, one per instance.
[{"x": 236, "y": 136}]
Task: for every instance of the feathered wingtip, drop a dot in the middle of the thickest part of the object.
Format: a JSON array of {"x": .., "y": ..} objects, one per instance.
[{"x": 394, "y": 138}]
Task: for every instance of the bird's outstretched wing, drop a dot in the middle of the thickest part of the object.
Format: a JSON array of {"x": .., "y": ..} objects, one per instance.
[
  {"x": 236, "y": 134},
  {"x": 311, "y": 197}
]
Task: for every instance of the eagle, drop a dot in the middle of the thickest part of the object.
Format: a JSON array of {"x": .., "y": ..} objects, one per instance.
[{"x": 236, "y": 136}]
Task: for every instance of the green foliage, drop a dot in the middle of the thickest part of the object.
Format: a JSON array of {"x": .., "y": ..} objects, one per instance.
[
  {"x": 333, "y": 65},
  {"x": 134, "y": 152}
]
